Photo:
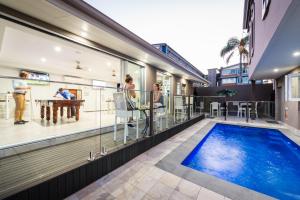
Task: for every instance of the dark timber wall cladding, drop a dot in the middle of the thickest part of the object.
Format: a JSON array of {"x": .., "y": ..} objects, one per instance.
[
  {"x": 258, "y": 92},
  {"x": 74, "y": 180}
]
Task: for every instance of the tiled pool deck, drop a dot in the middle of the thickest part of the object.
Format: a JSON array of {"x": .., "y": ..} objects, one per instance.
[{"x": 156, "y": 174}]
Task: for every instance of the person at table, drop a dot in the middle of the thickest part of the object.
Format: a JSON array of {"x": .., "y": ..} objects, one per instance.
[
  {"x": 66, "y": 94},
  {"x": 158, "y": 99},
  {"x": 20, "y": 87},
  {"x": 129, "y": 89}
]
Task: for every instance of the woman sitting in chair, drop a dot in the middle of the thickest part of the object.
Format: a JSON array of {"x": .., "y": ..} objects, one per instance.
[
  {"x": 129, "y": 89},
  {"x": 158, "y": 99}
]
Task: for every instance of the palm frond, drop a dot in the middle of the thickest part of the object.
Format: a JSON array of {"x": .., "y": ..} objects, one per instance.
[
  {"x": 232, "y": 43},
  {"x": 229, "y": 57}
]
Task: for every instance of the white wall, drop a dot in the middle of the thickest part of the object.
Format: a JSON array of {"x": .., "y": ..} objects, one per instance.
[{"x": 89, "y": 94}]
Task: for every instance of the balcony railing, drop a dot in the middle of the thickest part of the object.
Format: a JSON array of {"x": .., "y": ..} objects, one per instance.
[{"x": 60, "y": 134}]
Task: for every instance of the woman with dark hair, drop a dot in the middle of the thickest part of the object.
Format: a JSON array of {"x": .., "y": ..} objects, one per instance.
[{"x": 157, "y": 95}]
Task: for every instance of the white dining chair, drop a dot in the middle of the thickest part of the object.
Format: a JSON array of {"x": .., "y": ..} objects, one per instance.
[
  {"x": 253, "y": 110},
  {"x": 242, "y": 109},
  {"x": 124, "y": 114},
  {"x": 214, "y": 107},
  {"x": 179, "y": 107},
  {"x": 191, "y": 104},
  {"x": 160, "y": 113},
  {"x": 199, "y": 106}
]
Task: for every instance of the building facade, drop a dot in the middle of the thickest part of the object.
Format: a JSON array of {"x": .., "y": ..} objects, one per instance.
[
  {"x": 274, "y": 52},
  {"x": 213, "y": 77},
  {"x": 70, "y": 46},
  {"x": 172, "y": 54},
  {"x": 72, "y": 42},
  {"x": 230, "y": 75}
]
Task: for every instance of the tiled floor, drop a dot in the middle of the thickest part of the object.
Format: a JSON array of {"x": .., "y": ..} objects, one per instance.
[
  {"x": 141, "y": 179},
  {"x": 37, "y": 129}
]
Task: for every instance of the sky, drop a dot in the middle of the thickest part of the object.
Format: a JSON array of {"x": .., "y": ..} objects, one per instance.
[{"x": 196, "y": 29}]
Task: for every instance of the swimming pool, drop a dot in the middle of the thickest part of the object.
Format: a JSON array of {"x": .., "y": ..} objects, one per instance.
[{"x": 260, "y": 159}]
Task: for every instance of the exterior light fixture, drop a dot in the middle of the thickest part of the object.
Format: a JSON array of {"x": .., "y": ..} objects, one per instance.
[
  {"x": 113, "y": 73},
  {"x": 43, "y": 59},
  {"x": 84, "y": 27},
  {"x": 275, "y": 70},
  {"x": 296, "y": 53}
]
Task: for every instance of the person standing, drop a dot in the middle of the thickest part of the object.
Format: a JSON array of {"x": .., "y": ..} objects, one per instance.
[{"x": 20, "y": 87}]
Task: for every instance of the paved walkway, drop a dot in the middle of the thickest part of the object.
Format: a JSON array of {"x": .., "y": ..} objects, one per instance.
[{"x": 141, "y": 179}]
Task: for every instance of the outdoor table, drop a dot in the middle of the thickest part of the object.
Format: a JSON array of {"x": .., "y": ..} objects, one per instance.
[
  {"x": 143, "y": 109},
  {"x": 59, "y": 103}
]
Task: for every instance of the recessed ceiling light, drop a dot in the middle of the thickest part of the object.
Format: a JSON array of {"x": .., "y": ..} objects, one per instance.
[
  {"x": 109, "y": 64},
  {"x": 57, "y": 49},
  {"x": 89, "y": 69},
  {"x": 84, "y": 27},
  {"x": 275, "y": 70},
  {"x": 43, "y": 59},
  {"x": 296, "y": 53},
  {"x": 83, "y": 34}
]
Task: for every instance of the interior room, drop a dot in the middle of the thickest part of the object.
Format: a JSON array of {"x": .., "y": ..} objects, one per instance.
[{"x": 54, "y": 63}]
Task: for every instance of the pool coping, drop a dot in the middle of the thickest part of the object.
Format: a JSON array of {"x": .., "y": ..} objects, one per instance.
[{"x": 172, "y": 163}]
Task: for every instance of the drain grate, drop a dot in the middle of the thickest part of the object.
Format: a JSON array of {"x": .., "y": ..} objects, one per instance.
[{"x": 272, "y": 121}]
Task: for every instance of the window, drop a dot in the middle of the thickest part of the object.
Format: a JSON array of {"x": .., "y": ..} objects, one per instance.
[
  {"x": 292, "y": 87},
  {"x": 229, "y": 80},
  {"x": 251, "y": 30},
  {"x": 265, "y": 8},
  {"x": 230, "y": 71},
  {"x": 245, "y": 80},
  {"x": 98, "y": 84}
]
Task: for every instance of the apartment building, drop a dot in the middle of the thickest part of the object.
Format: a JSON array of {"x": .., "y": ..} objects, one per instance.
[{"x": 274, "y": 51}]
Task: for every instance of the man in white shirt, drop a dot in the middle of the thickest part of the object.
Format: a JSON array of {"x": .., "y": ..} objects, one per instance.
[{"x": 20, "y": 88}]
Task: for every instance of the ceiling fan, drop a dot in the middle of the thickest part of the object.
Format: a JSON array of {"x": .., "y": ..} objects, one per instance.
[{"x": 78, "y": 65}]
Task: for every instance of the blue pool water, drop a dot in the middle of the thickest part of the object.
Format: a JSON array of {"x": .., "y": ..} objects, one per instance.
[{"x": 260, "y": 159}]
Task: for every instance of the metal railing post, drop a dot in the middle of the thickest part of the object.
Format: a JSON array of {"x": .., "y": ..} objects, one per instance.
[
  {"x": 151, "y": 114},
  {"x": 189, "y": 108},
  {"x": 225, "y": 110},
  {"x": 247, "y": 112}
]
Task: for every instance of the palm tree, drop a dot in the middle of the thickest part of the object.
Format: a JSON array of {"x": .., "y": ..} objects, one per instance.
[{"x": 232, "y": 45}]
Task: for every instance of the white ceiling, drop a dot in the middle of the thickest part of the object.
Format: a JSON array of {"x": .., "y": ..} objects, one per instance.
[
  {"x": 22, "y": 48},
  {"x": 279, "y": 53}
]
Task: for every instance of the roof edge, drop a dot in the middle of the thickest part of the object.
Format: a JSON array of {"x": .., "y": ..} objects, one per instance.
[{"x": 92, "y": 12}]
